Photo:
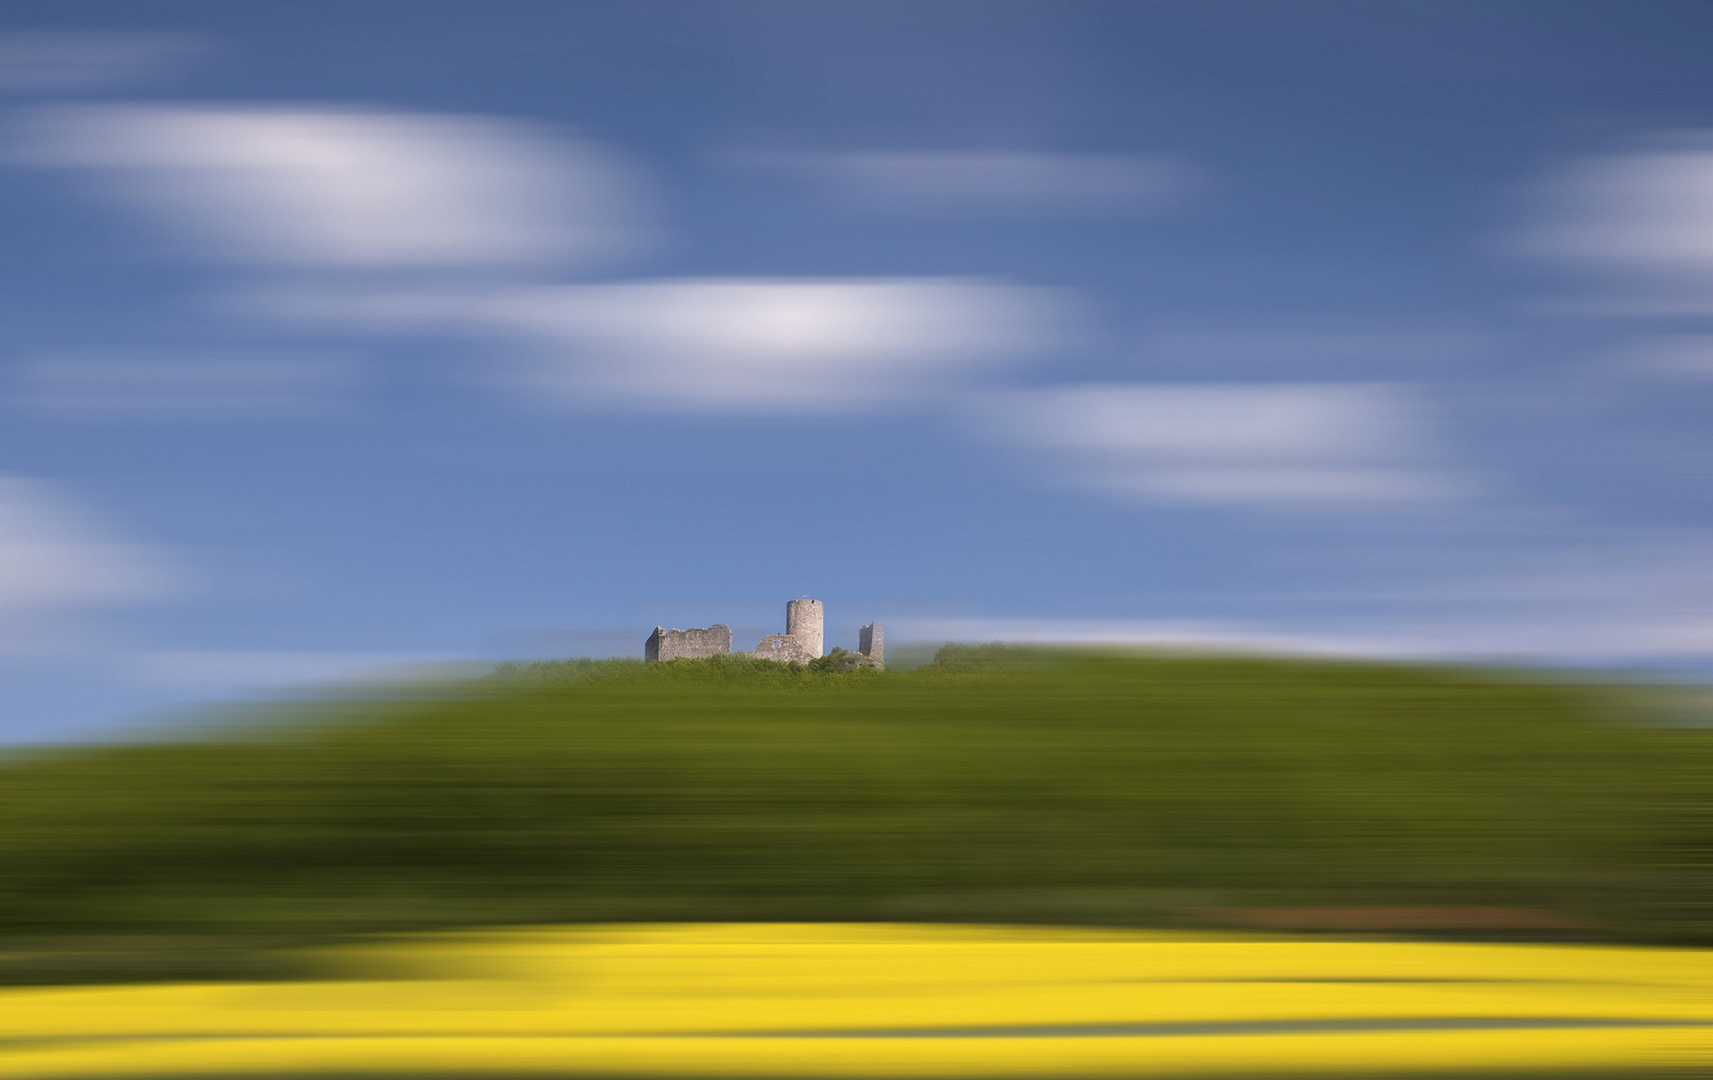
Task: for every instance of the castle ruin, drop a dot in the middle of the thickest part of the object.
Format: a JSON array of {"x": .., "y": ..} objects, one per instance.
[
  {"x": 666, "y": 644},
  {"x": 803, "y": 637},
  {"x": 803, "y": 640}
]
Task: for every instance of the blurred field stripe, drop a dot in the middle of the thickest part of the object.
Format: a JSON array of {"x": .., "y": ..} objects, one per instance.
[{"x": 850, "y": 1000}]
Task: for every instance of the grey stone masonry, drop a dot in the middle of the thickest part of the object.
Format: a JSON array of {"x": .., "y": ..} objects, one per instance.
[
  {"x": 871, "y": 642},
  {"x": 693, "y": 644},
  {"x": 804, "y": 621},
  {"x": 804, "y": 640},
  {"x": 783, "y": 648}
]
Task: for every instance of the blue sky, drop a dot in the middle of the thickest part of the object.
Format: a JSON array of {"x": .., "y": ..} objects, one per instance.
[{"x": 342, "y": 337}]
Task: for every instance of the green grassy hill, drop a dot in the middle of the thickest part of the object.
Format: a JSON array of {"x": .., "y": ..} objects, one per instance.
[{"x": 998, "y": 786}]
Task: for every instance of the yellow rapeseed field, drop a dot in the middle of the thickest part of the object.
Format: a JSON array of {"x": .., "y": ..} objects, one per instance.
[{"x": 885, "y": 1000}]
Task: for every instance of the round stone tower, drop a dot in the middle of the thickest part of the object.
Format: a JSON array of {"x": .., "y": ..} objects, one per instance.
[{"x": 804, "y": 625}]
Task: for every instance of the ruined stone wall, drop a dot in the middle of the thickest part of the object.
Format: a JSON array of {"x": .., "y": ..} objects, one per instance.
[
  {"x": 804, "y": 639},
  {"x": 692, "y": 644},
  {"x": 783, "y": 648},
  {"x": 871, "y": 642}
]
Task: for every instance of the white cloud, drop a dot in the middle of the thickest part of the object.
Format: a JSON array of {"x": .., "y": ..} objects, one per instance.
[
  {"x": 166, "y": 386},
  {"x": 1644, "y": 217},
  {"x": 774, "y": 345},
  {"x": 224, "y": 671},
  {"x": 1253, "y": 443},
  {"x": 351, "y": 189},
  {"x": 55, "y": 559},
  {"x": 1140, "y": 633},
  {"x": 1586, "y": 636},
  {"x": 730, "y": 345},
  {"x": 58, "y": 62},
  {"x": 54, "y": 554},
  {"x": 1634, "y": 597},
  {"x": 1606, "y": 600},
  {"x": 992, "y": 182}
]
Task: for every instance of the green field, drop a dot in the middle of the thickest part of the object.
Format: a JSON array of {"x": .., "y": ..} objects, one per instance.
[{"x": 1001, "y": 786}]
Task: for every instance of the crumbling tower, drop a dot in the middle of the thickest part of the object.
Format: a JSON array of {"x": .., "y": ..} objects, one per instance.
[{"x": 871, "y": 642}]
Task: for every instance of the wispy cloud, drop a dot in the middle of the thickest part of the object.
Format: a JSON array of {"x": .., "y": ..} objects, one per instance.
[
  {"x": 1237, "y": 443},
  {"x": 1685, "y": 355},
  {"x": 350, "y": 189},
  {"x": 990, "y": 182},
  {"x": 1626, "y": 597},
  {"x": 761, "y": 345},
  {"x": 221, "y": 671},
  {"x": 57, "y": 558},
  {"x": 329, "y": 191},
  {"x": 1611, "y": 599},
  {"x": 155, "y": 385},
  {"x": 733, "y": 345},
  {"x": 1642, "y": 220},
  {"x": 1312, "y": 354},
  {"x": 1210, "y": 636},
  {"x": 66, "y": 62},
  {"x": 1519, "y": 636}
]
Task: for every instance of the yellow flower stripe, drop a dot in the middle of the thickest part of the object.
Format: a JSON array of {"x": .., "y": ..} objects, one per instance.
[{"x": 764, "y": 1000}]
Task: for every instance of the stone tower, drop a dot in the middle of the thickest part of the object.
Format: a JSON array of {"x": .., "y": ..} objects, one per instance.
[
  {"x": 804, "y": 623},
  {"x": 802, "y": 640}
]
